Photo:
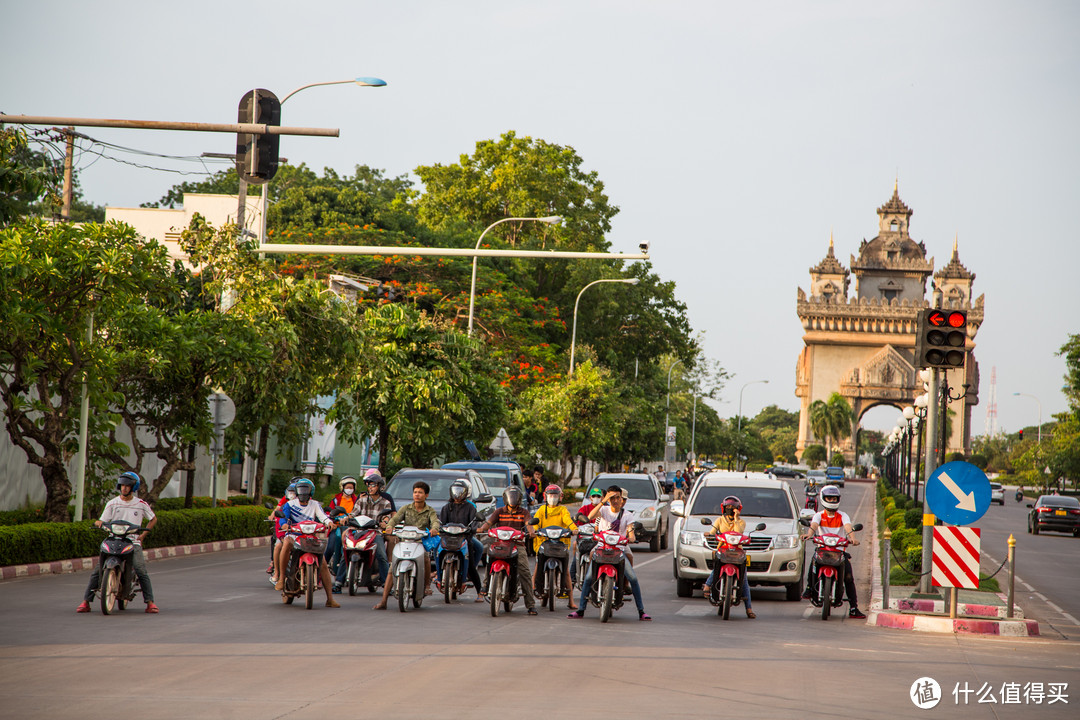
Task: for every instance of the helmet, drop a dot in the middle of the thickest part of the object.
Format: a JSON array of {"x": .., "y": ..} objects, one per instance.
[
  {"x": 830, "y": 497},
  {"x": 731, "y": 502},
  {"x": 553, "y": 495},
  {"x": 291, "y": 488},
  {"x": 512, "y": 495},
  {"x": 304, "y": 487},
  {"x": 459, "y": 490},
  {"x": 373, "y": 476},
  {"x": 345, "y": 481},
  {"x": 129, "y": 478}
]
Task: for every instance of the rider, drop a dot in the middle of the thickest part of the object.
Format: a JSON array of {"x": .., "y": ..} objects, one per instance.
[
  {"x": 303, "y": 507},
  {"x": 512, "y": 514},
  {"x": 831, "y": 520},
  {"x": 127, "y": 507},
  {"x": 373, "y": 504},
  {"x": 729, "y": 521},
  {"x": 596, "y": 495},
  {"x": 553, "y": 513},
  {"x": 279, "y": 533},
  {"x": 422, "y": 516},
  {"x": 461, "y": 510},
  {"x": 340, "y": 504},
  {"x": 611, "y": 515}
]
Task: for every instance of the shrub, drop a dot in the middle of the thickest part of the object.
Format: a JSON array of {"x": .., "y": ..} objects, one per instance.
[
  {"x": 200, "y": 502},
  {"x": 46, "y": 542},
  {"x": 897, "y": 576},
  {"x": 895, "y": 520},
  {"x": 913, "y": 518},
  {"x": 913, "y": 557},
  {"x": 901, "y": 539}
]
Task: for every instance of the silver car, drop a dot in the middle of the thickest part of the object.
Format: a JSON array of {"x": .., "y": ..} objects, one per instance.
[
  {"x": 775, "y": 554},
  {"x": 647, "y": 501}
]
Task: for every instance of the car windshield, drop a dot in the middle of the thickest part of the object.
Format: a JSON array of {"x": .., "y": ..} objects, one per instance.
[
  {"x": 495, "y": 479},
  {"x": 1059, "y": 501},
  {"x": 638, "y": 488},
  {"x": 995, "y": 486},
  {"x": 756, "y": 501},
  {"x": 401, "y": 487},
  {"x": 816, "y": 473}
]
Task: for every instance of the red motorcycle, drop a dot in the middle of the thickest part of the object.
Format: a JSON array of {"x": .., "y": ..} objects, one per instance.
[
  {"x": 812, "y": 498},
  {"x": 730, "y": 555},
  {"x": 302, "y": 573},
  {"x": 606, "y": 565},
  {"x": 358, "y": 541},
  {"x": 829, "y": 559},
  {"x": 502, "y": 567}
]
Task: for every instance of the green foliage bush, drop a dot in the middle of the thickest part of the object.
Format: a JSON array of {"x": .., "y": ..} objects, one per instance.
[
  {"x": 895, "y": 519},
  {"x": 897, "y": 576},
  {"x": 46, "y": 542},
  {"x": 901, "y": 539},
  {"x": 913, "y": 518},
  {"x": 200, "y": 502},
  {"x": 913, "y": 557}
]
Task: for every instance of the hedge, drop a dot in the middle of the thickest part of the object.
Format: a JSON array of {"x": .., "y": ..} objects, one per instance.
[
  {"x": 200, "y": 502},
  {"x": 46, "y": 542}
]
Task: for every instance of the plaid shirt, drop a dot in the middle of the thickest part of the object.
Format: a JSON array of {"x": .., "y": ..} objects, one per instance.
[{"x": 370, "y": 506}]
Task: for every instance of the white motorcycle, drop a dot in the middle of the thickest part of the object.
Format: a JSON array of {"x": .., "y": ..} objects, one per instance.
[{"x": 407, "y": 558}]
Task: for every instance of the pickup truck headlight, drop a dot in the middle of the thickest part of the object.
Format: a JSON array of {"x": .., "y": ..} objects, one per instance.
[
  {"x": 785, "y": 541},
  {"x": 648, "y": 513},
  {"x": 691, "y": 537}
]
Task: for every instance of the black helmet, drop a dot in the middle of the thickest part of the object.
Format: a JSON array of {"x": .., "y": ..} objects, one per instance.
[
  {"x": 373, "y": 476},
  {"x": 512, "y": 495},
  {"x": 459, "y": 490}
]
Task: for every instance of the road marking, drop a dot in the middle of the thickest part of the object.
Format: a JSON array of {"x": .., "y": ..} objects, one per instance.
[
  {"x": 1041, "y": 597},
  {"x": 229, "y": 597},
  {"x": 694, "y": 611},
  {"x": 658, "y": 557},
  {"x": 816, "y": 647},
  {"x": 810, "y": 610}
]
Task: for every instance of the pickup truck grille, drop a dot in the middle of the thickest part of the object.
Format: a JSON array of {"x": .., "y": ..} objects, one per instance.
[{"x": 756, "y": 544}]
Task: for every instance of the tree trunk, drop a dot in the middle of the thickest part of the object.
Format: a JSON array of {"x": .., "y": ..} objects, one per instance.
[
  {"x": 57, "y": 492},
  {"x": 260, "y": 463},
  {"x": 189, "y": 491},
  {"x": 384, "y": 442}
]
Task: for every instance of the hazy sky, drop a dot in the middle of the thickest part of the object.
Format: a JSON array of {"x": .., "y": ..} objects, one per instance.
[{"x": 734, "y": 136}]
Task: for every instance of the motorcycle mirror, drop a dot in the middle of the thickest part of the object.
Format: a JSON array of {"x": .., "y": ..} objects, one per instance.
[
  {"x": 804, "y": 521},
  {"x": 484, "y": 498},
  {"x": 706, "y": 521},
  {"x": 534, "y": 521},
  {"x": 279, "y": 513},
  {"x": 857, "y": 526},
  {"x": 760, "y": 527}
]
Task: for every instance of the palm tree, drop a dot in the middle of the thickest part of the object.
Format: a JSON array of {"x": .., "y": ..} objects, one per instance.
[{"x": 831, "y": 420}]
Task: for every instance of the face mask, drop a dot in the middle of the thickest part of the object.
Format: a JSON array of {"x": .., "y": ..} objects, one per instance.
[
  {"x": 552, "y": 500},
  {"x": 290, "y": 495},
  {"x": 348, "y": 491}
]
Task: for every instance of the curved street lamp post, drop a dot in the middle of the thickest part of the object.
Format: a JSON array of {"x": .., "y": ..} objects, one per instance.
[{"x": 573, "y": 335}]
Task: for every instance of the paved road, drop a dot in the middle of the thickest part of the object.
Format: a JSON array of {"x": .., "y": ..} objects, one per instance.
[{"x": 225, "y": 646}]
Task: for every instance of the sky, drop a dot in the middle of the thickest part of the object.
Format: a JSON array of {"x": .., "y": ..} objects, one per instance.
[{"x": 734, "y": 137}]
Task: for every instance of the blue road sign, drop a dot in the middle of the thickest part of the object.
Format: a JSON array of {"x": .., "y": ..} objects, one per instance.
[{"x": 958, "y": 493}]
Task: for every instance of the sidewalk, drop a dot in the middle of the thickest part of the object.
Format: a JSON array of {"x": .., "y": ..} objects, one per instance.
[
  {"x": 977, "y": 613},
  {"x": 11, "y": 572}
]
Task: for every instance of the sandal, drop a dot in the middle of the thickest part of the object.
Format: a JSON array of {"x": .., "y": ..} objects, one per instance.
[
  {"x": 576, "y": 615},
  {"x": 750, "y": 614},
  {"x": 532, "y": 611},
  {"x": 643, "y": 616},
  {"x": 427, "y": 591}
]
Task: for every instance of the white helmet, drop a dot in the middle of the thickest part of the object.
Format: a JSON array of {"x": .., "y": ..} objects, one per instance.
[{"x": 830, "y": 497}]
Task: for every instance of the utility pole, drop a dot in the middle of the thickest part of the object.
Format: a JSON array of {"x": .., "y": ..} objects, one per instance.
[{"x": 69, "y": 161}]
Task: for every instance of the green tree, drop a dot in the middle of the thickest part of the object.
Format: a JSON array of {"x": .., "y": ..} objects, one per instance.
[
  {"x": 831, "y": 421},
  {"x": 1071, "y": 351},
  {"x": 813, "y": 455},
  {"x": 420, "y": 387},
  {"x": 52, "y": 277}
]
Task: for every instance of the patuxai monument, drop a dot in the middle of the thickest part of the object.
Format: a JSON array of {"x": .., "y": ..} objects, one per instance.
[{"x": 861, "y": 342}]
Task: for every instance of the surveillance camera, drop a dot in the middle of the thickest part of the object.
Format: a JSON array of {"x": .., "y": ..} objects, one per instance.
[{"x": 644, "y": 247}]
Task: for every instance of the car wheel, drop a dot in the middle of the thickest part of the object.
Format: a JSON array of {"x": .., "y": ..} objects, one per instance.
[
  {"x": 1035, "y": 528},
  {"x": 684, "y": 588},
  {"x": 794, "y": 591},
  {"x": 654, "y": 542},
  {"x": 664, "y": 538}
]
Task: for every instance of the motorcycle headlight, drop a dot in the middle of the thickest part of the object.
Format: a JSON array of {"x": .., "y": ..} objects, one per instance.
[
  {"x": 691, "y": 537},
  {"x": 648, "y": 513},
  {"x": 785, "y": 541}
]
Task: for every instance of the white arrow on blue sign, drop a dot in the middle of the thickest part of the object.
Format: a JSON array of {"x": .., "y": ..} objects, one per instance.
[{"x": 958, "y": 493}]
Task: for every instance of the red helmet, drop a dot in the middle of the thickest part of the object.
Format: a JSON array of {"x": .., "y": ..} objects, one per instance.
[
  {"x": 553, "y": 490},
  {"x": 731, "y": 502}
]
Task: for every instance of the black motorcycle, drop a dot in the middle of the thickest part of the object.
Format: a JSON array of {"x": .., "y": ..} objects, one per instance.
[
  {"x": 552, "y": 558},
  {"x": 452, "y": 557},
  {"x": 119, "y": 583}
]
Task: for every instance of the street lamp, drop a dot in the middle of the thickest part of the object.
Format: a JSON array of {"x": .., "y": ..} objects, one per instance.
[
  {"x": 573, "y": 335},
  {"x": 264, "y": 200},
  {"x": 550, "y": 220},
  {"x": 752, "y": 382},
  {"x": 1039, "y": 431},
  {"x": 667, "y": 412}
]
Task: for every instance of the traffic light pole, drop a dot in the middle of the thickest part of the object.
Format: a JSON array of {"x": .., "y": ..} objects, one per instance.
[{"x": 932, "y": 420}]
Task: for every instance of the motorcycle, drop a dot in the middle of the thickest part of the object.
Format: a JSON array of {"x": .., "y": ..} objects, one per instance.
[
  {"x": 586, "y": 541},
  {"x": 358, "y": 536},
  {"x": 606, "y": 567},
  {"x": 302, "y": 571},
  {"x": 502, "y": 568},
  {"x": 1019, "y": 496},
  {"x": 812, "y": 498},
  {"x": 552, "y": 557},
  {"x": 453, "y": 556},
  {"x": 408, "y": 572},
  {"x": 119, "y": 583},
  {"x": 829, "y": 557},
  {"x": 730, "y": 555}
]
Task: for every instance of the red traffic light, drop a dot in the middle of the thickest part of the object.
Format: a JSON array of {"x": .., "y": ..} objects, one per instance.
[
  {"x": 936, "y": 318},
  {"x": 957, "y": 319}
]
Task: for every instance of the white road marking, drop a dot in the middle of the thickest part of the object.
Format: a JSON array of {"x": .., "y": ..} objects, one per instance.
[
  {"x": 818, "y": 647},
  {"x": 652, "y": 560},
  {"x": 229, "y": 597},
  {"x": 694, "y": 610}
]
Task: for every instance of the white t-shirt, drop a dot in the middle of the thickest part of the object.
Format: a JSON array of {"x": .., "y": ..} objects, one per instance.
[
  {"x": 605, "y": 521},
  {"x": 831, "y": 525},
  {"x": 132, "y": 512}
]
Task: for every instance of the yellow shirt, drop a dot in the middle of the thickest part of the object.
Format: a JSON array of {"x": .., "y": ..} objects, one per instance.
[
  {"x": 723, "y": 525},
  {"x": 549, "y": 516}
]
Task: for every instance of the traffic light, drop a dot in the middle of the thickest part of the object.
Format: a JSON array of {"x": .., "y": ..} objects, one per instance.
[
  {"x": 941, "y": 339},
  {"x": 1021, "y": 436},
  {"x": 257, "y": 155}
]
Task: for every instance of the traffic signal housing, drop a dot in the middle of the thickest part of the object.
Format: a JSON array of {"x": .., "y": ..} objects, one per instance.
[
  {"x": 941, "y": 339},
  {"x": 1021, "y": 436},
  {"x": 257, "y": 155}
]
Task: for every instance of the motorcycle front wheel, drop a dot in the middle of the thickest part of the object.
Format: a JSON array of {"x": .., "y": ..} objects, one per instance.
[
  {"x": 826, "y": 596},
  {"x": 110, "y": 589},
  {"x": 495, "y": 593},
  {"x": 552, "y": 582},
  {"x": 403, "y": 592},
  {"x": 354, "y": 576},
  {"x": 727, "y": 590},
  {"x": 607, "y": 597},
  {"x": 309, "y": 586}
]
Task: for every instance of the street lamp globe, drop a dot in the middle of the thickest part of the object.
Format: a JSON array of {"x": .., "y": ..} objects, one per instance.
[{"x": 909, "y": 412}]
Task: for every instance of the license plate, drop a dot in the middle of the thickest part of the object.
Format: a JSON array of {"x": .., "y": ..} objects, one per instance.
[{"x": 1060, "y": 512}]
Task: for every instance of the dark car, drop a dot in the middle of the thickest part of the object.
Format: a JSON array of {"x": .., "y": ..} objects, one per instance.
[
  {"x": 784, "y": 472},
  {"x": 400, "y": 488},
  {"x": 497, "y": 475},
  {"x": 1054, "y": 512}
]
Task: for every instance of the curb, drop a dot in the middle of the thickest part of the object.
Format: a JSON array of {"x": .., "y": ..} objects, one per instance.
[
  {"x": 58, "y": 567},
  {"x": 927, "y": 615}
]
